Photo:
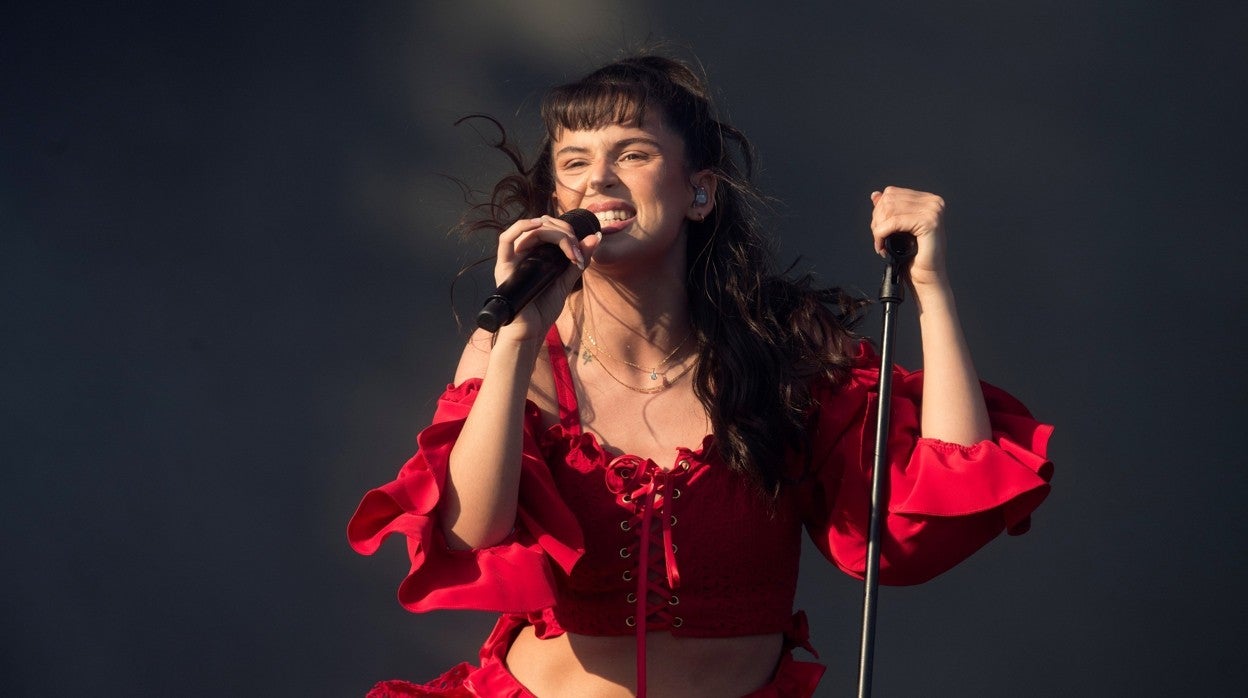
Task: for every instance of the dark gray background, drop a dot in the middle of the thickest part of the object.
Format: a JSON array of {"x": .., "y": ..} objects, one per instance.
[{"x": 225, "y": 308}]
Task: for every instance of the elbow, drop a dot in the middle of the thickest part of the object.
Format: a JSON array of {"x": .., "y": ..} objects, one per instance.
[{"x": 464, "y": 535}]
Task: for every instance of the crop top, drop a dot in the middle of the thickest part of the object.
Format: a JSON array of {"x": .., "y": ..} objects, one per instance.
[{"x": 611, "y": 544}]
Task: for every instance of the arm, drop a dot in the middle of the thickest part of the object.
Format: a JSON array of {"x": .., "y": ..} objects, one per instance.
[
  {"x": 953, "y": 403},
  {"x": 954, "y": 482},
  {"x": 483, "y": 478}
]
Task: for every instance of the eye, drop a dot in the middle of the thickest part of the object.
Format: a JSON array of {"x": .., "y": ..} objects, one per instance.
[
  {"x": 573, "y": 164},
  {"x": 634, "y": 156}
]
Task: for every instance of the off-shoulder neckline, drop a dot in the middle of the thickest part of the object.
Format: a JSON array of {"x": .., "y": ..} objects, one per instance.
[{"x": 570, "y": 411}]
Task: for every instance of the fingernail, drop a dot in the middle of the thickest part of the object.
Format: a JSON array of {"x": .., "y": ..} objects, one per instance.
[{"x": 580, "y": 258}]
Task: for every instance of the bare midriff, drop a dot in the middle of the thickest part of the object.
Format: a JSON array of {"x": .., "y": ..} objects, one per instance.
[{"x": 583, "y": 666}]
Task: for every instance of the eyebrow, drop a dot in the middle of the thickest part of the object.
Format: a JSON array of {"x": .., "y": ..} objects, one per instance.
[{"x": 577, "y": 149}]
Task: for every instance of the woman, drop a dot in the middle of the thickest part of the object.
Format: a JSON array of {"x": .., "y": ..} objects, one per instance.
[{"x": 624, "y": 471}]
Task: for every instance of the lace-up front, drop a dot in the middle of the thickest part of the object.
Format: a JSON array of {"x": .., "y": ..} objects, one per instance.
[
  {"x": 650, "y": 492},
  {"x": 657, "y": 538}
]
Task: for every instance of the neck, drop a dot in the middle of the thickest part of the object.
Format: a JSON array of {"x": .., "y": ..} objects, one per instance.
[{"x": 640, "y": 322}]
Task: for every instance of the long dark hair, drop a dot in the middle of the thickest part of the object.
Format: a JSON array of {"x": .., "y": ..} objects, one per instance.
[{"x": 763, "y": 337}]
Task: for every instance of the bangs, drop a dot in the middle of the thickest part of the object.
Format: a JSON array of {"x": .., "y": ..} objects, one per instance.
[{"x": 591, "y": 106}]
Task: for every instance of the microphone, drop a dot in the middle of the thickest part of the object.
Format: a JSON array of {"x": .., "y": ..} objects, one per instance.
[
  {"x": 533, "y": 274},
  {"x": 900, "y": 247}
]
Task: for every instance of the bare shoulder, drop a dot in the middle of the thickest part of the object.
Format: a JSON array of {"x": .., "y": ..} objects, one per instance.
[{"x": 475, "y": 359}]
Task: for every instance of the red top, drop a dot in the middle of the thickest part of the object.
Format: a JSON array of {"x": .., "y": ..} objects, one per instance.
[{"x": 609, "y": 544}]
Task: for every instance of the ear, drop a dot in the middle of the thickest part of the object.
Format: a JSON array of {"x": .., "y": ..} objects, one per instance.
[{"x": 702, "y": 202}]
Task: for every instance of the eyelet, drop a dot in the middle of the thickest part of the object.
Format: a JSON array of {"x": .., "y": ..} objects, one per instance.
[
  {"x": 624, "y": 526},
  {"x": 630, "y": 622},
  {"x": 631, "y": 598},
  {"x": 684, "y": 464},
  {"x": 673, "y": 519},
  {"x": 628, "y": 575},
  {"x": 676, "y": 622},
  {"x": 626, "y": 499},
  {"x": 624, "y": 552},
  {"x": 675, "y": 549},
  {"x": 674, "y": 600},
  {"x": 675, "y": 493}
]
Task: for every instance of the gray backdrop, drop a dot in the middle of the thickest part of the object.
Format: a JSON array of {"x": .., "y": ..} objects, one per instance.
[{"x": 226, "y": 314}]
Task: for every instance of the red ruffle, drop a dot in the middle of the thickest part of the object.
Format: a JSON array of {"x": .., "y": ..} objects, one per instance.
[
  {"x": 945, "y": 501},
  {"x": 514, "y": 576},
  {"x": 448, "y": 685}
]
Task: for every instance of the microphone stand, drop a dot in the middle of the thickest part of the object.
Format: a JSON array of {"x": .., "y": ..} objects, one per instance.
[{"x": 901, "y": 248}]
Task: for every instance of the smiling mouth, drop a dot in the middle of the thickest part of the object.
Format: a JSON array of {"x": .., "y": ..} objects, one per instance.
[
  {"x": 613, "y": 216},
  {"x": 614, "y": 220}
]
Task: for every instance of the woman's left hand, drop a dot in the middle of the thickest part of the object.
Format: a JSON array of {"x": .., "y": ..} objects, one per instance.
[{"x": 921, "y": 214}]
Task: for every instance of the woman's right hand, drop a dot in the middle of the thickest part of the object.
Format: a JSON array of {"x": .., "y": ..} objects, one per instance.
[{"x": 516, "y": 242}]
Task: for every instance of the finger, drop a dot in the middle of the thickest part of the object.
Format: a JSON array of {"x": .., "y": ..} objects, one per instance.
[
  {"x": 578, "y": 257},
  {"x": 900, "y": 197},
  {"x": 589, "y": 245},
  {"x": 566, "y": 241},
  {"x": 896, "y": 198},
  {"x": 520, "y": 226},
  {"x": 918, "y": 223},
  {"x": 507, "y": 238},
  {"x": 543, "y": 235},
  {"x": 552, "y": 222},
  {"x": 902, "y": 192}
]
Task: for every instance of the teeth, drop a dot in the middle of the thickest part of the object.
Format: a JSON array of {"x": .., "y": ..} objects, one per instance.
[{"x": 611, "y": 216}]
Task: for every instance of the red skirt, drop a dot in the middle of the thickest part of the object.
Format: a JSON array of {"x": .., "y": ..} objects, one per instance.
[{"x": 793, "y": 679}]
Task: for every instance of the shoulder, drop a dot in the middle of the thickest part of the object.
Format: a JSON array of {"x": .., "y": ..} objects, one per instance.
[
  {"x": 475, "y": 360},
  {"x": 475, "y": 357}
]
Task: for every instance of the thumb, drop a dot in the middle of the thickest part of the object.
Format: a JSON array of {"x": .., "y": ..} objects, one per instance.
[{"x": 590, "y": 244}]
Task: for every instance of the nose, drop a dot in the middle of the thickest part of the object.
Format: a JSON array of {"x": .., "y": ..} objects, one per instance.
[{"x": 602, "y": 175}]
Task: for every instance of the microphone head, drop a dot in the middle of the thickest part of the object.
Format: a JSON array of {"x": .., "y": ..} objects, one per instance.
[{"x": 583, "y": 222}]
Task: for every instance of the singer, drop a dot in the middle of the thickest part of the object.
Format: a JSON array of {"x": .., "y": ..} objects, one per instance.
[{"x": 624, "y": 471}]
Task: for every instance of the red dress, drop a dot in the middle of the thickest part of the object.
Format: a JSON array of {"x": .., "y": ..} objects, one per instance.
[{"x": 610, "y": 544}]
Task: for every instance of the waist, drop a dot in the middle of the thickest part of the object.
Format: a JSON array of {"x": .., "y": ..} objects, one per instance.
[{"x": 604, "y": 667}]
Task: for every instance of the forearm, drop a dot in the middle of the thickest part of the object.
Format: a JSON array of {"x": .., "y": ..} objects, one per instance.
[
  {"x": 953, "y": 402},
  {"x": 483, "y": 479}
]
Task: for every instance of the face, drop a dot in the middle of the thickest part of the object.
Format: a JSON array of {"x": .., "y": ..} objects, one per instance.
[{"x": 636, "y": 181}]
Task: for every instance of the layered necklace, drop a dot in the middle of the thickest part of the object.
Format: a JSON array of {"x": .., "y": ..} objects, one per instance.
[{"x": 658, "y": 374}]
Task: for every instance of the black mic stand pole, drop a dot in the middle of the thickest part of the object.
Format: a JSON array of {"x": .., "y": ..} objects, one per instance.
[{"x": 900, "y": 247}]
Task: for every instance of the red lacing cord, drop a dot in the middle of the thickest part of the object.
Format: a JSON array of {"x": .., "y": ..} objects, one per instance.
[{"x": 649, "y": 488}]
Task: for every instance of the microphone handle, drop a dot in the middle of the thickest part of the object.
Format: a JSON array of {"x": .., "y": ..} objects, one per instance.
[
  {"x": 901, "y": 246},
  {"x": 524, "y": 284}
]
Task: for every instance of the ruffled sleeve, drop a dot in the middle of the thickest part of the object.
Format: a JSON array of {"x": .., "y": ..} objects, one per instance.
[
  {"x": 945, "y": 501},
  {"x": 513, "y": 576}
]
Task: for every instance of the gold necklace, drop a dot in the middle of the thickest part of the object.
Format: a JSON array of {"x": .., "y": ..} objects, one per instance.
[
  {"x": 588, "y": 336},
  {"x": 588, "y": 355}
]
